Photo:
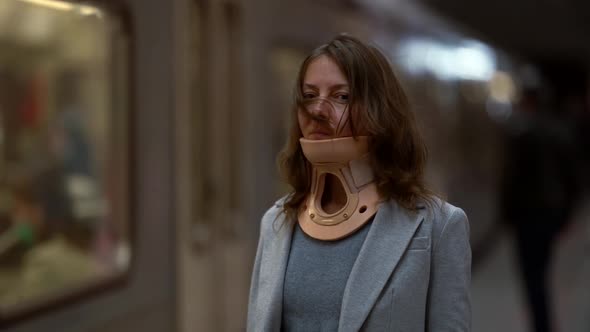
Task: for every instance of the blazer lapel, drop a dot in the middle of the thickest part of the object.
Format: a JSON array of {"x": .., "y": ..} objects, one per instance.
[
  {"x": 390, "y": 234},
  {"x": 273, "y": 274}
]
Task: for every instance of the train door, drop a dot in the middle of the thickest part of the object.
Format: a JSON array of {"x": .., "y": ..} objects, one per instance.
[{"x": 212, "y": 251}]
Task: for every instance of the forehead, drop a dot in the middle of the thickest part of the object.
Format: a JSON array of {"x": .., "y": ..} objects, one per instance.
[{"x": 323, "y": 71}]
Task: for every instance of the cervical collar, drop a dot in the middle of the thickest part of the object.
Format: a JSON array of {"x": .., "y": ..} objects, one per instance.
[{"x": 346, "y": 158}]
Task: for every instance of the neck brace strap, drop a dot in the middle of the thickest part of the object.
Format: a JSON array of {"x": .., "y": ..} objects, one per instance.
[{"x": 347, "y": 160}]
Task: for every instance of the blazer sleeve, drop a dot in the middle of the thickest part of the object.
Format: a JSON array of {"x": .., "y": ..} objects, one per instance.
[
  {"x": 254, "y": 282},
  {"x": 449, "y": 303}
]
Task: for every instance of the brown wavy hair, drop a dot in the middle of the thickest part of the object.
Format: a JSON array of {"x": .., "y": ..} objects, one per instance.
[{"x": 378, "y": 108}]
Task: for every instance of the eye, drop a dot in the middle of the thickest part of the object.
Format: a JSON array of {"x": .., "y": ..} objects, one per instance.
[
  {"x": 308, "y": 95},
  {"x": 342, "y": 97}
]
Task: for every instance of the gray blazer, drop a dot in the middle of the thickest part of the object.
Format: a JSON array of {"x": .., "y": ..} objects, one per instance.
[{"x": 412, "y": 273}]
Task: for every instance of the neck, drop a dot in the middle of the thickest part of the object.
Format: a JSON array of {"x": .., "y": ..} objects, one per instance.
[{"x": 334, "y": 196}]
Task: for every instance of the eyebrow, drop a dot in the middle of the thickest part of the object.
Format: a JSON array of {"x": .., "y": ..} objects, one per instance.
[{"x": 335, "y": 86}]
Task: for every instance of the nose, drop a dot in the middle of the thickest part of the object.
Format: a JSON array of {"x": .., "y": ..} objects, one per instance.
[{"x": 319, "y": 108}]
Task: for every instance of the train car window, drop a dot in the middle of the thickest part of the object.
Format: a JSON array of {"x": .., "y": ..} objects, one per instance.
[{"x": 64, "y": 226}]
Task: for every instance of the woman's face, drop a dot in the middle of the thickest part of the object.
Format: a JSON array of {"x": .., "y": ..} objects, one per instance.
[{"x": 326, "y": 99}]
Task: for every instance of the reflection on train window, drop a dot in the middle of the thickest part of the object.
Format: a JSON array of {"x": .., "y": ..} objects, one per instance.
[{"x": 63, "y": 141}]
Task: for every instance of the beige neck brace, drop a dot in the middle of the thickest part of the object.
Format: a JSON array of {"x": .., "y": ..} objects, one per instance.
[{"x": 346, "y": 159}]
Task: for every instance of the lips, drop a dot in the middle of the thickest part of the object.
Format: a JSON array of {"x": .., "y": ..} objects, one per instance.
[{"x": 320, "y": 134}]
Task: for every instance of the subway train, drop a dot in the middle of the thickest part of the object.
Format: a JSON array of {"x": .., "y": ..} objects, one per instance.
[{"x": 138, "y": 141}]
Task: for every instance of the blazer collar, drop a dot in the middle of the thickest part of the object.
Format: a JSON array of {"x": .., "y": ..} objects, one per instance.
[{"x": 390, "y": 234}]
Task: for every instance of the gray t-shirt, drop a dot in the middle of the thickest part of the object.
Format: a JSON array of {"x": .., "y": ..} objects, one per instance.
[{"x": 317, "y": 272}]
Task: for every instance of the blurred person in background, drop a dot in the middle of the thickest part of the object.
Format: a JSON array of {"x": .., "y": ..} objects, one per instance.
[
  {"x": 539, "y": 191},
  {"x": 360, "y": 242},
  {"x": 579, "y": 104},
  {"x": 69, "y": 129}
]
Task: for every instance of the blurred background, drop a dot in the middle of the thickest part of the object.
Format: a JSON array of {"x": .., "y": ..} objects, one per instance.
[{"x": 138, "y": 142}]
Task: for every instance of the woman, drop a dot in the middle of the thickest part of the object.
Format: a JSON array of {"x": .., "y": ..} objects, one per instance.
[{"x": 360, "y": 243}]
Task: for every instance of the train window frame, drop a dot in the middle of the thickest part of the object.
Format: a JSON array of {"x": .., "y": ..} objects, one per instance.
[{"x": 119, "y": 12}]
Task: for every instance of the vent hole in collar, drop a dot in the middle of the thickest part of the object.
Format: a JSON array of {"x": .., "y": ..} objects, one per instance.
[{"x": 363, "y": 209}]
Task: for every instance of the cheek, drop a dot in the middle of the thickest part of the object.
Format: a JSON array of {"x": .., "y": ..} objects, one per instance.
[
  {"x": 343, "y": 123},
  {"x": 346, "y": 130},
  {"x": 303, "y": 120}
]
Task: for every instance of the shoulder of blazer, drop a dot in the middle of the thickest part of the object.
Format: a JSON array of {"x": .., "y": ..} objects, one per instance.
[
  {"x": 443, "y": 214},
  {"x": 273, "y": 218}
]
